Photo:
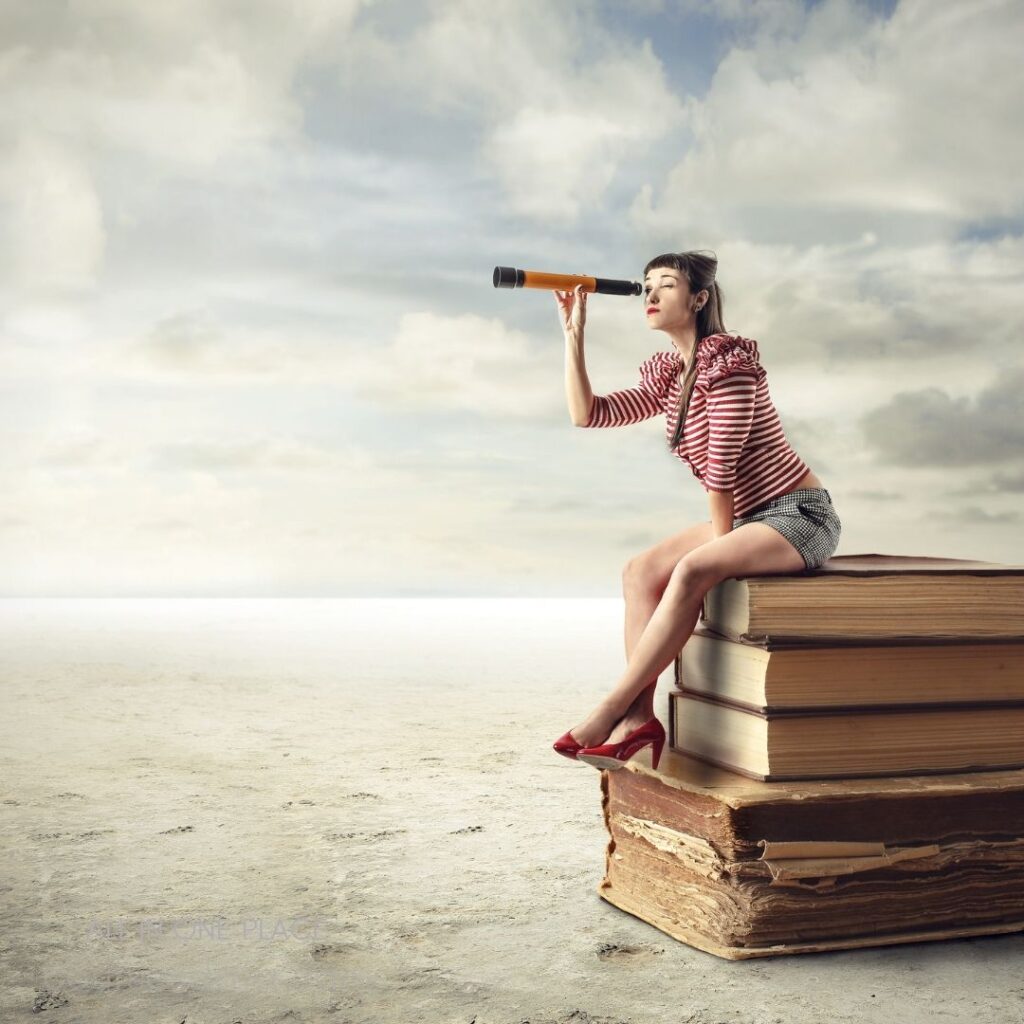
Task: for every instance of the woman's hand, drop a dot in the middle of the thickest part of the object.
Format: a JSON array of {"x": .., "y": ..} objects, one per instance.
[
  {"x": 723, "y": 511},
  {"x": 572, "y": 309}
]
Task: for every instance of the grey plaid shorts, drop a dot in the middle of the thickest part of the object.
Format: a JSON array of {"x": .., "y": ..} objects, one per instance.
[{"x": 806, "y": 518}]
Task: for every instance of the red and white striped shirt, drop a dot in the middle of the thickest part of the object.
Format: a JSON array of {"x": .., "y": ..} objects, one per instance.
[{"x": 733, "y": 438}]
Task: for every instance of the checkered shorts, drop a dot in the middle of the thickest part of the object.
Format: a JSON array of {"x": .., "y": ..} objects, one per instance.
[{"x": 806, "y": 518}]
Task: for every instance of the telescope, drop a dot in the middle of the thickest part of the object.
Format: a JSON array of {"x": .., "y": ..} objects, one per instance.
[{"x": 509, "y": 277}]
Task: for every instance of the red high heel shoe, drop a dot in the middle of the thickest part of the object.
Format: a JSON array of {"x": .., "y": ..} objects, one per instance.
[
  {"x": 567, "y": 746},
  {"x": 615, "y": 755}
]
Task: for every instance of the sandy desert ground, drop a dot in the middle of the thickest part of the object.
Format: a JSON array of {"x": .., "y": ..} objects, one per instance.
[{"x": 349, "y": 811}]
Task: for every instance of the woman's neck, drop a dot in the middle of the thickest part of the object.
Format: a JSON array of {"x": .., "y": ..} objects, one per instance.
[{"x": 685, "y": 347}]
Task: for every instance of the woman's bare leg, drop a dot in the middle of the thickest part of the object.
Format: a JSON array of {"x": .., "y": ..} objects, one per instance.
[
  {"x": 640, "y": 606},
  {"x": 754, "y": 549},
  {"x": 643, "y": 584}
]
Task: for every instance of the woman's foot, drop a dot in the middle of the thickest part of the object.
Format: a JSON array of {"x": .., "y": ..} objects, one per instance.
[
  {"x": 601, "y": 727},
  {"x": 633, "y": 719},
  {"x": 591, "y": 731}
]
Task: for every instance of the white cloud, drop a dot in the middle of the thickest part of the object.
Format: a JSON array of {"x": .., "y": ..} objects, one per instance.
[
  {"x": 195, "y": 345},
  {"x": 562, "y": 103},
  {"x": 462, "y": 363},
  {"x": 152, "y": 90},
  {"x": 55, "y": 237},
  {"x": 557, "y": 158},
  {"x": 857, "y": 118},
  {"x": 186, "y": 84}
]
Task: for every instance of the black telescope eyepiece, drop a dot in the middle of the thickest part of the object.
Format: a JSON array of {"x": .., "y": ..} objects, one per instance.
[{"x": 508, "y": 277}]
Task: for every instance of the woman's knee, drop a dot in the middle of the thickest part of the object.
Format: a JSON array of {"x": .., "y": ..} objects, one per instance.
[
  {"x": 691, "y": 574},
  {"x": 642, "y": 573}
]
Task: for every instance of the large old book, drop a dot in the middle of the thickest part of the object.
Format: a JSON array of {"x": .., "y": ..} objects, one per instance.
[
  {"x": 873, "y": 595},
  {"x": 836, "y": 742},
  {"x": 768, "y": 674},
  {"x": 741, "y": 868}
]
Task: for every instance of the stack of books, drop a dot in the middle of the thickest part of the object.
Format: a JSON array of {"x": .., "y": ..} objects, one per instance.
[{"x": 845, "y": 764}]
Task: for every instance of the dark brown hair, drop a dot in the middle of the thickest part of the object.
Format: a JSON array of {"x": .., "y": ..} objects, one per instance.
[{"x": 699, "y": 268}]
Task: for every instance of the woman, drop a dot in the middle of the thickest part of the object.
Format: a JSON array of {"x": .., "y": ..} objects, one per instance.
[{"x": 770, "y": 514}]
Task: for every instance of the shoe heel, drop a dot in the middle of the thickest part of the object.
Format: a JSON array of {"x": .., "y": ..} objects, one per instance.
[{"x": 656, "y": 753}]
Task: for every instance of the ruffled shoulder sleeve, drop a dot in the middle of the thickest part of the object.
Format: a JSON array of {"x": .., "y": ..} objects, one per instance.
[
  {"x": 727, "y": 355},
  {"x": 658, "y": 372}
]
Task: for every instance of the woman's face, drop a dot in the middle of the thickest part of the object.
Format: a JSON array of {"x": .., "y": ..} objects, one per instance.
[{"x": 667, "y": 299}]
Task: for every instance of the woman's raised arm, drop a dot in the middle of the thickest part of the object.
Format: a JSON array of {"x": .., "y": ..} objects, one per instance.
[{"x": 572, "y": 308}]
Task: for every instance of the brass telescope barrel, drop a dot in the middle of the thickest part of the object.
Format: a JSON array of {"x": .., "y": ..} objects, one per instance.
[{"x": 510, "y": 277}]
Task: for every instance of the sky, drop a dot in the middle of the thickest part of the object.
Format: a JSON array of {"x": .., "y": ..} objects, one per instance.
[{"x": 249, "y": 341}]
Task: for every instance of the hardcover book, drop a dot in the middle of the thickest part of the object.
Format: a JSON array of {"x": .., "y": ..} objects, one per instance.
[{"x": 873, "y": 596}]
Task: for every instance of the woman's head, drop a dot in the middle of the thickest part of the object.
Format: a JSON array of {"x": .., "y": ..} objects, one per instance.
[{"x": 682, "y": 289}]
